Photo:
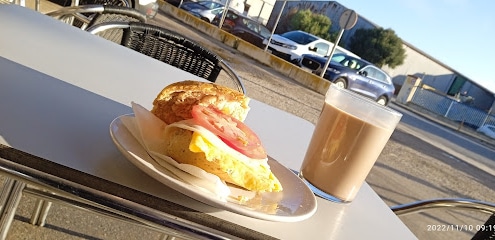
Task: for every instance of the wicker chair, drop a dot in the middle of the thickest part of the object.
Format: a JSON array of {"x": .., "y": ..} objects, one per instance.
[
  {"x": 485, "y": 232},
  {"x": 85, "y": 16},
  {"x": 122, "y": 3},
  {"x": 171, "y": 48},
  {"x": 67, "y": 3}
]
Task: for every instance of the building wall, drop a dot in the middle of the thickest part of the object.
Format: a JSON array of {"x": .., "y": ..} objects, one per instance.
[
  {"x": 434, "y": 73},
  {"x": 260, "y": 9}
]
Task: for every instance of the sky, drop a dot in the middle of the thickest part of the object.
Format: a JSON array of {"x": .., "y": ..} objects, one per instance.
[{"x": 458, "y": 33}]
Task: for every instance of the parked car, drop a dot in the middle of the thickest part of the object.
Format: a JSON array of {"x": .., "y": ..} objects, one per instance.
[
  {"x": 177, "y": 3},
  {"x": 488, "y": 130},
  {"x": 292, "y": 45},
  {"x": 205, "y": 10},
  {"x": 237, "y": 5},
  {"x": 243, "y": 27},
  {"x": 354, "y": 74}
]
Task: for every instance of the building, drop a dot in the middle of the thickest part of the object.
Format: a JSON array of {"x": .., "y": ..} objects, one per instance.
[
  {"x": 433, "y": 73},
  {"x": 259, "y": 9}
]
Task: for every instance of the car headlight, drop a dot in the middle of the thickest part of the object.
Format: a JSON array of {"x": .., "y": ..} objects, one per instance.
[
  {"x": 292, "y": 47},
  {"x": 333, "y": 70}
]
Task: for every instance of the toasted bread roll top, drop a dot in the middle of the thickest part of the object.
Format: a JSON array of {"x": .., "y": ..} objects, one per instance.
[{"x": 174, "y": 102}]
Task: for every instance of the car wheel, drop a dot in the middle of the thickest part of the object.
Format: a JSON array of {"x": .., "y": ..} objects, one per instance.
[
  {"x": 341, "y": 83},
  {"x": 382, "y": 100},
  {"x": 205, "y": 19}
]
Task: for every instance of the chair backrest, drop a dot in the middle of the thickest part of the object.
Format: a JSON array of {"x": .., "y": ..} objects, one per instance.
[
  {"x": 483, "y": 232},
  {"x": 171, "y": 48},
  {"x": 67, "y": 3},
  {"x": 84, "y": 16},
  {"x": 122, "y": 3}
]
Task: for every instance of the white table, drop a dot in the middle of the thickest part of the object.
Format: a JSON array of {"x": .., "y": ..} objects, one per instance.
[{"x": 60, "y": 87}]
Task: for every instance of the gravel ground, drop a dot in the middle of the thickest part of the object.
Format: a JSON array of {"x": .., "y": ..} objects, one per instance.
[{"x": 407, "y": 170}]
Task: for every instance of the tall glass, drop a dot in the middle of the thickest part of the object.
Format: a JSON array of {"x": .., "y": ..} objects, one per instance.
[{"x": 350, "y": 134}]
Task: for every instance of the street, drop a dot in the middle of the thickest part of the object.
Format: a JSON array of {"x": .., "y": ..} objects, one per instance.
[{"x": 452, "y": 142}]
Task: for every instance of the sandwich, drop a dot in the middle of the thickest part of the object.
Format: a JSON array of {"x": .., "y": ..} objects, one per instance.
[{"x": 205, "y": 129}]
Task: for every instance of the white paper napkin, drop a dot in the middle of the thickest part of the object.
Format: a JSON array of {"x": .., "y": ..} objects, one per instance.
[{"x": 148, "y": 130}]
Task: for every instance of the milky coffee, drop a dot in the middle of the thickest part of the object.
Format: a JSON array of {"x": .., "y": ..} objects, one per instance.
[{"x": 342, "y": 151}]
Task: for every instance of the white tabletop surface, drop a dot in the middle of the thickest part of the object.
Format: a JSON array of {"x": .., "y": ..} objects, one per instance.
[{"x": 60, "y": 87}]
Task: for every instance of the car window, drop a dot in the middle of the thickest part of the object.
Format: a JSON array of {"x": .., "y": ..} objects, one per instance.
[
  {"x": 299, "y": 37},
  {"x": 338, "y": 58},
  {"x": 377, "y": 74},
  {"x": 231, "y": 15},
  {"x": 347, "y": 61},
  {"x": 210, "y": 5},
  {"x": 380, "y": 76},
  {"x": 322, "y": 48},
  {"x": 252, "y": 25},
  {"x": 216, "y": 11},
  {"x": 369, "y": 71},
  {"x": 256, "y": 27},
  {"x": 265, "y": 32},
  {"x": 352, "y": 64}
]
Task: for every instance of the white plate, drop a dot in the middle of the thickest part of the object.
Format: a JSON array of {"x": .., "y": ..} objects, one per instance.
[{"x": 295, "y": 203}]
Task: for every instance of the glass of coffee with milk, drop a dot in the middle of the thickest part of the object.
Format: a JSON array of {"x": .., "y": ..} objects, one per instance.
[{"x": 350, "y": 134}]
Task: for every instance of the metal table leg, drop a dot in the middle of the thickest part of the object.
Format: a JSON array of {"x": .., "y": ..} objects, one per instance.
[
  {"x": 40, "y": 212},
  {"x": 37, "y": 5},
  {"x": 4, "y": 195},
  {"x": 10, "y": 198}
]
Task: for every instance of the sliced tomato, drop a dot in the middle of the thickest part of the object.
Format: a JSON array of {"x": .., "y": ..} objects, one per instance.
[{"x": 233, "y": 132}]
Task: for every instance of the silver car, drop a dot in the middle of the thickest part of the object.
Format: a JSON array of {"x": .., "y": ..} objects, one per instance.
[{"x": 206, "y": 10}]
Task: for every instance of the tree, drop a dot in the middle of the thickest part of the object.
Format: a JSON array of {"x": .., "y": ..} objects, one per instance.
[
  {"x": 379, "y": 46},
  {"x": 307, "y": 21}
]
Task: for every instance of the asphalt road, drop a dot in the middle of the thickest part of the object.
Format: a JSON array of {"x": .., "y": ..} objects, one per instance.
[
  {"x": 410, "y": 167},
  {"x": 457, "y": 144}
]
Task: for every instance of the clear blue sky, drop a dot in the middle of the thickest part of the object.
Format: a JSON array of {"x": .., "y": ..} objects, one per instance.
[{"x": 459, "y": 33}]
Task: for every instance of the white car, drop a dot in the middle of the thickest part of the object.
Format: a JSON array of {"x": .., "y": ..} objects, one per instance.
[
  {"x": 292, "y": 45},
  {"x": 488, "y": 130}
]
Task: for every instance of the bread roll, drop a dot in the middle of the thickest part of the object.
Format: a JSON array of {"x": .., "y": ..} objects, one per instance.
[{"x": 175, "y": 101}]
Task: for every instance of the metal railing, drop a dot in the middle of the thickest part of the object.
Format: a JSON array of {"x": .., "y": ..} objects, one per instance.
[{"x": 451, "y": 108}]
